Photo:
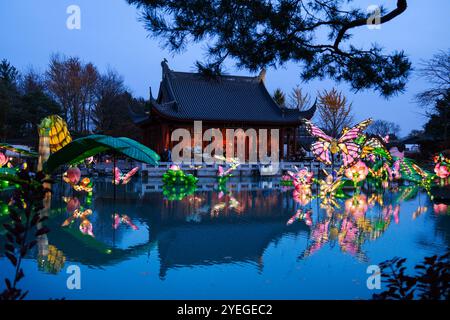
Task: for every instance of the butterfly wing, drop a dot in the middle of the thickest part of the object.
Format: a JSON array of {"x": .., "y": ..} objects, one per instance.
[
  {"x": 350, "y": 153},
  {"x": 130, "y": 174},
  {"x": 315, "y": 131},
  {"x": 321, "y": 150},
  {"x": 353, "y": 133},
  {"x": 117, "y": 175}
]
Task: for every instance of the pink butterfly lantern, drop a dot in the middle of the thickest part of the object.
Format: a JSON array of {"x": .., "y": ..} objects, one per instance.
[{"x": 124, "y": 178}]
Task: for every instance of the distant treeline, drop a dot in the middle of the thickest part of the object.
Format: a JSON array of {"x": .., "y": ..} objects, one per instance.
[{"x": 90, "y": 101}]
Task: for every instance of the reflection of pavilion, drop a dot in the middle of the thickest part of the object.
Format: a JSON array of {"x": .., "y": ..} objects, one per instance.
[
  {"x": 211, "y": 244},
  {"x": 228, "y": 237}
]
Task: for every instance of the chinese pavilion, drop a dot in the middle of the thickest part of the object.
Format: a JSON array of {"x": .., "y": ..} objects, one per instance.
[{"x": 225, "y": 102}]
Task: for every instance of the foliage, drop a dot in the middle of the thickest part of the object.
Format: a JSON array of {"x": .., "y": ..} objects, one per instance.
[
  {"x": 383, "y": 128},
  {"x": 430, "y": 283},
  {"x": 262, "y": 33},
  {"x": 335, "y": 111},
  {"x": 24, "y": 228},
  {"x": 279, "y": 97},
  {"x": 178, "y": 178},
  {"x": 436, "y": 72},
  {"x": 298, "y": 100},
  {"x": 173, "y": 192}
]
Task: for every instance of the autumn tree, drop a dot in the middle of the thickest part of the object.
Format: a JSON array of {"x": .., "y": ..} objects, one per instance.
[
  {"x": 259, "y": 33},
  {"x": 298, "y": 99},
  {"x": 334, "y": 111},
  {"x": 72, "y": 83}
]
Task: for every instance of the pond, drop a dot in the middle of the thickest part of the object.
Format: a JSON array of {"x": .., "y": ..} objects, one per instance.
[{"x": 241, "y": 243}]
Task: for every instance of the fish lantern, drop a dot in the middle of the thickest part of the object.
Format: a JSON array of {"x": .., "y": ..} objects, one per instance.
[
  {"x": 358, "y": 172},
  {"x": 3, "y": 159},
  {"x": 72, "y": 176}
]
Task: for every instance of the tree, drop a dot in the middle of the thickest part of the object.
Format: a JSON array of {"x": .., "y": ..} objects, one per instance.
[
  {"x": 334, "y": 111},
  {"x": 299, "y": 100},
  {"x": 262, "y": 33},
  {"x": 36, "y": 104},
  {"x": 438, "y": 125},
  {"x": 437, "y": 98},
  {"x": 110, "y": 114},
  {"x": 383, "y": 128},
  {"x": 279, "y": 97},
  {"x": 8, "y": 97},
  {"x": 437, "y": 72},
  {"x": 72, "y": 84}
]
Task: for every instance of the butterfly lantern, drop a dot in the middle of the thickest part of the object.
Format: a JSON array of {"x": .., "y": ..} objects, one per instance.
[
  {"x": 118, "y": 219},
  {"x": 327, "y": 146},
  {"x": 85, "y": 225},
  {"x": 234, "y": 163},
  {"x": 124, "y": 178},
  {"x": 301, "y": 215}
]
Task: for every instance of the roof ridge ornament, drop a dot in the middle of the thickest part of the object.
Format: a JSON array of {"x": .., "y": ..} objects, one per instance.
[
  {"x": 262, "y": 75},
  {"x": 165, "y": 67}
]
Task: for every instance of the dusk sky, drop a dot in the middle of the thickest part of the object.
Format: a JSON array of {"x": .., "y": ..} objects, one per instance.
[{"x": 111, "y": 36}]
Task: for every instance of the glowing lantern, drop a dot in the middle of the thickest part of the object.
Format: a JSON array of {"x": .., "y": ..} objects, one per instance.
[
  {"x": 72, "y": 205},
  {"x": 72, "y": 176},
  {"x": 3, "y": 159},
  {"x": 357, "y": 206},
  {"x": 357, "y": 172},
  {"x": 441, "y": 170}
]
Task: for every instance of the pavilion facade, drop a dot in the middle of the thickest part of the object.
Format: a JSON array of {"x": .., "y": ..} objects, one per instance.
[{"x": 225, "y": 102}]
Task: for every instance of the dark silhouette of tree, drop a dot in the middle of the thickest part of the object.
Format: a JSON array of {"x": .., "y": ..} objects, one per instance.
[
  {"x": 437, "y": 73},
  {"x": 9, "y": 97},
  {"x": 110, "y": 114},
  {"x": 279, "y": 97},
  {"x": 383, "y": 128},
  {"x": 430, "y": 283},
  {"x": 259, "y": 33},
  {"x": 72, "y": 83},
  {"x": 35, "y": 105}
]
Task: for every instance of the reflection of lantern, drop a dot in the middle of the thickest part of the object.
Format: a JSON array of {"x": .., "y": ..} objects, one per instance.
[
  {"x": 3, "y": 159},
  {"x": 72, "y": 205},
  {"x": 302, "y": 195},
  {"x": 440, "y": 208},
  {"x": 357, "y": 172},
  {"x": 72, "y": 175},
  {"x": 357, "y": 206}
]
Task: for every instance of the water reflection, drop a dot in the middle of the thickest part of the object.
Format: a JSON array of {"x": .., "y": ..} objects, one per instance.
[{"x": 232, "y": 226}]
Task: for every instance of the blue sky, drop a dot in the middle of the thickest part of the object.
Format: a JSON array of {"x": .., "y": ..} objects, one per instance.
[{"x": 112, "y": 36}]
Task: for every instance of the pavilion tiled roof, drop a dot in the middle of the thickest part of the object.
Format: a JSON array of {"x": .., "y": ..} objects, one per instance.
[{"x": 191, "y": 96}]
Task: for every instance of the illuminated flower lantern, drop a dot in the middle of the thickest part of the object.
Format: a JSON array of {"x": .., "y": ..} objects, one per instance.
[
  {"x": 3, "y": 159},
  {"x": 357, "y": 205},
  {"x": 442, "y": 170},
  {"x": 302, "y": 179},
  {"x": 358, "y": 172},
  {"x": 440, "y": 208},
  {"x": 72, "y": 176},
  {"x": 302, "y": 195}
]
